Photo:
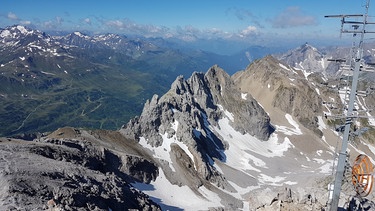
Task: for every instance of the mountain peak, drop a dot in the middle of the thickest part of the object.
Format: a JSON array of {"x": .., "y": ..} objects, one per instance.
[
  {"x": 16, "y": 31},
  {"x": 79, "y": 34},
  {"x": 305, "y": 57},
  {"x": 307, "y": 46}
]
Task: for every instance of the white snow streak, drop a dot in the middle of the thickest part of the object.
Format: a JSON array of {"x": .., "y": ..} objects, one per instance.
[
  {"x": 321, "y": 123},
  {"x": 47, "y": 73},
  {"x": 275, "y": 181},
  {"x": 162, "y": 152},
  {"x": 287, "y": 130},
  {"x": 286, "y": 68},
  {"x": 226, "y": 112},
  {"x": 317, "y": 91},
  {"x": 322, "y": 62}
]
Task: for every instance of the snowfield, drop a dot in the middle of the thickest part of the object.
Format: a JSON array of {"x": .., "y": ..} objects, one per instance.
[{"x": 174, "y": 197}]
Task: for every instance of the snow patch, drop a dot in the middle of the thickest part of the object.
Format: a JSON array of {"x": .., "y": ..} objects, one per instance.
[
  {"x": 22, "y": 29},
  {"x": 163, "y": 152},
  {"x": 47, "y": 73},
  {"x": 244, "y": 96},
  {"x": 319, "y": 152},
  {"x": 290, "y": 183},
  {"x": 5, "y": 33},
  {"x": 287, "y": 130},
  {"x": 275, "y": 181},
  {"x": 305, "y": 73},
  {"x": 317, "y": 91},
  {"x": 242, "y": 145},
  {"x": 322, "y": 63},
  {"x": 283, "y": 66},
  {"x": 174, "y": 196},
  {"x": 79, "y": 34},
  {"x": 226, "y": 112},
  {"x": 321, "y": 123},
  {"x": 327, "y": 167}
]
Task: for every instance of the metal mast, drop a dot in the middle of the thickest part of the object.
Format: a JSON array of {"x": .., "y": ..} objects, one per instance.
[{"x": 359, "y": 27}]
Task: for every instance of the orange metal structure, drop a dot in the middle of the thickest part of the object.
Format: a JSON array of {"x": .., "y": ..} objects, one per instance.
[{"x": 362, "y": 177}]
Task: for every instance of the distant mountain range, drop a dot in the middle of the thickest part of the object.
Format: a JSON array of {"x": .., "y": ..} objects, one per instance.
[
  {"x": 98, "y": 81},
  {"x": 102, "y": 81}
]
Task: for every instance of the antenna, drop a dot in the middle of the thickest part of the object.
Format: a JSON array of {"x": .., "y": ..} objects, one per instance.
[{"x": 358, "y": 27}]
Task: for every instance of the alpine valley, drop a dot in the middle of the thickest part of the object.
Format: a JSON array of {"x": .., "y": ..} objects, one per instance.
[
  {"x": 86, "y": 81},
  {"x": 108, "y": 122}
]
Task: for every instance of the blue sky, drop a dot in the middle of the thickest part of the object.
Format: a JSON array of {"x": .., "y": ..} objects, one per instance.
[{"x": 266, "y": 22}]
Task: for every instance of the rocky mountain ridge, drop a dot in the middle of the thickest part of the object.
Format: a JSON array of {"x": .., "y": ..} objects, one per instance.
[
  {"x": 189, "y": 110},
  {"x": 326, "y": 60}
]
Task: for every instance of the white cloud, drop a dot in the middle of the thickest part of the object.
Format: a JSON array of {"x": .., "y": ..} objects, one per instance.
[
  {"x": 12, "y": 16},
  {"x": 249, "y": 31}
]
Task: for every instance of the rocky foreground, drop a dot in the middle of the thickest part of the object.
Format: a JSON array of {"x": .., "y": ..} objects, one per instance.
[
  {"x": 75, "y": 173},
  {"x": 73, "y": 169}
]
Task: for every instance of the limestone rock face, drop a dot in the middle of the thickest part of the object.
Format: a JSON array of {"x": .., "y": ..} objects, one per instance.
[
  {"x": 190, "y": 109},
  {"x": 284, "y": 88}
]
